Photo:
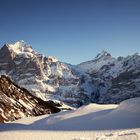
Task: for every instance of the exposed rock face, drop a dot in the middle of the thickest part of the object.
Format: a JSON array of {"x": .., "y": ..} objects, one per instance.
[
  {"x": 114, "y": 79},
  {"x": 16, "y": 102},
  {"x": 45, "y": 77},
  {"x": 103, "y": 80}
]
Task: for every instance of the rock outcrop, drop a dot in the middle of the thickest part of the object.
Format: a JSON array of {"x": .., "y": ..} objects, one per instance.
[{"x": 16, "y": 102}]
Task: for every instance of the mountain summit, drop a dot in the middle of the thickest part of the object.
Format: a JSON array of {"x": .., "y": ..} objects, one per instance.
[
  {"x": 103, "y": 80},
  {"x": 44, "y": 76},
  {"x": 103, "y": 54},
  {"x": 21, "y": 48},
  {"x": 103, "y": 58}
]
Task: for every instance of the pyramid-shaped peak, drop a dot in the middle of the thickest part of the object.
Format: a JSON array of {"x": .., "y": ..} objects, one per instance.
[
  {"x": 20, "y": 47},
  {"x": 103, "y": 54},
  {"x": 20, "y": 43}
]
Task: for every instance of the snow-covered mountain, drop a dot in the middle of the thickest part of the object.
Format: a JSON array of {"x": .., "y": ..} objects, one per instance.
[
  {"x": 45, "y": 77},
  {"x": 103, "y": 80},
  {"x": 103, "y": 58},
  {"x": 114, "y": 79},
  {"x": 16, "y": 102}
]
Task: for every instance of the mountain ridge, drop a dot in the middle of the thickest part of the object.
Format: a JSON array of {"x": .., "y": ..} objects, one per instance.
[
  {"x": 92, "y": 81},
  {"x": 16, "y": 102}
]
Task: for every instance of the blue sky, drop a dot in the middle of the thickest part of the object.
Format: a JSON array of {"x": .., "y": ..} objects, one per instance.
[{"x": 72, "y": 30}]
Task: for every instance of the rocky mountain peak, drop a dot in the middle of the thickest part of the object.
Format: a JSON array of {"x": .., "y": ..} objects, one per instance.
[
  {"x": 103, "y": 58},
  {"x": 44, "y": 76},
  {"x": 21, "y": 47},
  {"x": 48, "y": 78},
  {"x": 103, "y": 54}
]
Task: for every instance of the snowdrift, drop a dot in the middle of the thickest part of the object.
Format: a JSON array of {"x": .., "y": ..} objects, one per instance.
[
  {"x": 90, "y": 117},
  {"x": 91, "y": 122}
]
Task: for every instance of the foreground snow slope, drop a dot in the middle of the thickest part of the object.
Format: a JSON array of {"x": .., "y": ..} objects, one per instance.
[{"x": 86, "y": 123}]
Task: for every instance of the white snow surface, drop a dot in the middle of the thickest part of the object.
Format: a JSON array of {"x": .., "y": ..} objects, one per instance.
[
  {"x": 21, "y": 47},
  {"x": 91, "y": 122}
]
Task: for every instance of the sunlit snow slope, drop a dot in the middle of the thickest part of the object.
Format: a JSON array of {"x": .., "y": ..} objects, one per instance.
[{"x": 88, "y": 122}]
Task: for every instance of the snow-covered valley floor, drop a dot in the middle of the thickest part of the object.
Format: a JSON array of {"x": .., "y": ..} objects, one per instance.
[
  {"x": 91, "y": 122},
  {"x": 72, "y": 135}
]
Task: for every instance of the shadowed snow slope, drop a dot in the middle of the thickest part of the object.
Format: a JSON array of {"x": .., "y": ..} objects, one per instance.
[
  {"x": 90, "y": 117},
  {"x": 92, "y": 122}
]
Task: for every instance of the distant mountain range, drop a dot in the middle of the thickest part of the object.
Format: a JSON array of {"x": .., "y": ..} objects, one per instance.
[{"x": 104, "y": 79}]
